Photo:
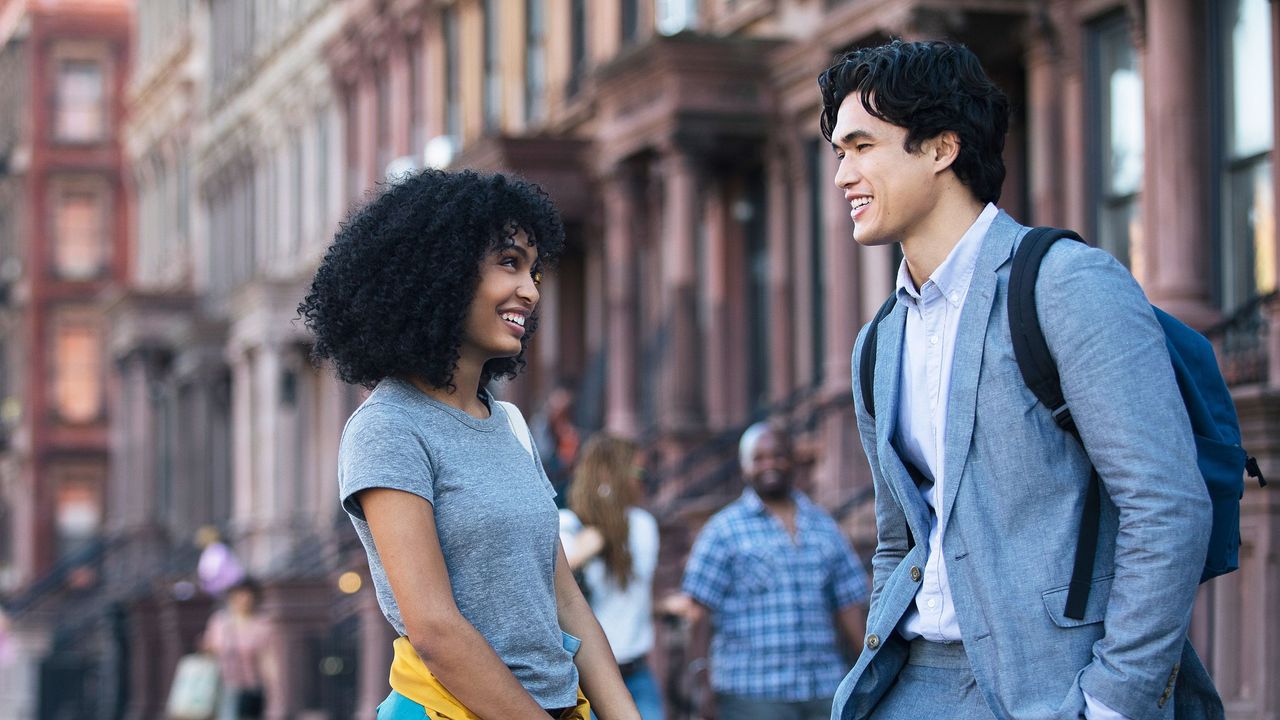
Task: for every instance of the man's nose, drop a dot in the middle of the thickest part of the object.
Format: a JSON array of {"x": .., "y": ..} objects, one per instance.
[{"x": 846, "y": 173}]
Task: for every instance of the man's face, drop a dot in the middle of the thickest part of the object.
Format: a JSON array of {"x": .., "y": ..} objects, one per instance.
[
  {"x": 889, "y": 190},
  {"x": 770, "y": 473}
]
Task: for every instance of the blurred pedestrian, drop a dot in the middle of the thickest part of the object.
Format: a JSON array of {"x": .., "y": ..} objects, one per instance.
[
  {"x": 613, "y": 543},
  {"x": 426, "y": 295},
  {"x": 558, "y": 438},
  {"x": 241, "y": 640},
  {"x": 777, "y": 579},
  {"x": 218, "y": 568}
]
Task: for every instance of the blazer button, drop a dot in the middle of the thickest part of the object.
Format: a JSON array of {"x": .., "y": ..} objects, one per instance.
[
  {"x": 915, "y": 573},
  {"x": 873, "y": 641}
]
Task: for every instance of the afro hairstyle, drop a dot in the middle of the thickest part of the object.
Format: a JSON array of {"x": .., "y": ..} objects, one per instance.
[{"x": 391, "y": 296}]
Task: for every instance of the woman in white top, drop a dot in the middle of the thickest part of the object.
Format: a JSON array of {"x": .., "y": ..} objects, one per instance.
[{"x": 614, "y": 545}]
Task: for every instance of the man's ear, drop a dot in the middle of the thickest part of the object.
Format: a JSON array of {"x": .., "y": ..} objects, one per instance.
[{"x": 943, "y": 149}]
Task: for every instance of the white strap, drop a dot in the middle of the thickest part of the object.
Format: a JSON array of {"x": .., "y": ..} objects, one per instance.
[{"x": 518, "y": 426}]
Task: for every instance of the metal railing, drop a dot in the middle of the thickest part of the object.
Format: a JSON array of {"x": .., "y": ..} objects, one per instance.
[{"x": 1240, "y": 340}]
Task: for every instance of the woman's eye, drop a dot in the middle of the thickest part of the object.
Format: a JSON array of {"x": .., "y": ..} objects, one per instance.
[{"x": 508, "y": 261}]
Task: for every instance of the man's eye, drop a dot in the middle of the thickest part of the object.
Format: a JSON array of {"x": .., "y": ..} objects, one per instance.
[{"x": 862, "y": 146}]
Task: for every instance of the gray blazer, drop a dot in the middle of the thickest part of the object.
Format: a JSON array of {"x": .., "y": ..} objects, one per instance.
[{"x": 1014, "y": 486}]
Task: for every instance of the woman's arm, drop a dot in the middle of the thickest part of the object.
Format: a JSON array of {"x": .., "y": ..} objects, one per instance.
[
  {"x": 404, "y": 532},
  {"x": 597, "y": 668},
  {"x": 588, "y": 543}
]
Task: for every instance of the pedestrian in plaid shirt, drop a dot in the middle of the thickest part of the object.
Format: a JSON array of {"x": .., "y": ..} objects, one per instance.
[{"x": 777, "y": 579}]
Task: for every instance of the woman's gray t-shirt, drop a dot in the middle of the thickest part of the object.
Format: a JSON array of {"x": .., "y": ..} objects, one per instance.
[{"x": 495, "y": 517}]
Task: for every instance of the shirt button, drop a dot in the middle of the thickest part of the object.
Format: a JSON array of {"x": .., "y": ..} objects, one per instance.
[
  {"x": 932, "y": 603},
  {"x": 915, "y": 573},
  {"x": 955, "y": 297},
  {"x": 933, "y": 339},
  {"x": 873, "y": 641}
]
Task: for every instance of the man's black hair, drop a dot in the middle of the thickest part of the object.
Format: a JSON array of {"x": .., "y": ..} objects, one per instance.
[{"x": 928, "y": 88}]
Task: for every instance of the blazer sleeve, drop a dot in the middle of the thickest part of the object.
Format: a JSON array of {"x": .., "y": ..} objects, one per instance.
[
  {"x": 891, "y": 522},
  {"x": 1119, "y": 384}
]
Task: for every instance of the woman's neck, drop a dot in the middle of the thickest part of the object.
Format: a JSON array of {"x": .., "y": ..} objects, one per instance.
[{"x": 465, "y": 394}]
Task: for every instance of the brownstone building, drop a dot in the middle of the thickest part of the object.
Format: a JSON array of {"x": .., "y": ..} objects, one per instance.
[
  {"x": 711, "y": 277},
  {"x": 63, "y": 239}
]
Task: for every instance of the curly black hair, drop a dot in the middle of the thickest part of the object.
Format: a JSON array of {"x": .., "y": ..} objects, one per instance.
[
  {"x": 391, "y": 296},
  {"x": 928, "y": 88}
]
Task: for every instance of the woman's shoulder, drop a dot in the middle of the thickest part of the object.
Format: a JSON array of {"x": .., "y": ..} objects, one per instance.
[{"x": 642, "y": 522}]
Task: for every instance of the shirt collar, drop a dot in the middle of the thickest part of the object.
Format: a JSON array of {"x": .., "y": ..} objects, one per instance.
[{"x": 952, "y": 277}]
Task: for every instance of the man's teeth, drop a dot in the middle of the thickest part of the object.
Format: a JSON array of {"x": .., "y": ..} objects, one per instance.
[
  {"x": 860, "y": 202},
  {"x": 517, "y": 319}
]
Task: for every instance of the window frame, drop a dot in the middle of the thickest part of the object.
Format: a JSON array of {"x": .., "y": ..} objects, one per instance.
[{"x": 1101, "y": 200}]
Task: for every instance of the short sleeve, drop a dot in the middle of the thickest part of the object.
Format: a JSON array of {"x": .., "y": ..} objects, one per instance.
[
  {"x": 570, "y": 526},
  {"x": 213, "y": 631},
  {"x": 707, "y": 574},
  {"x": 381, "y": 449},
  {"x": 644, "y": 544},
  {"x": 847, "y": 584}
]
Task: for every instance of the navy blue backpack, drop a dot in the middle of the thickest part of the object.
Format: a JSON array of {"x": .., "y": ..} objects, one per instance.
[{"x": 1221, "y": 459}]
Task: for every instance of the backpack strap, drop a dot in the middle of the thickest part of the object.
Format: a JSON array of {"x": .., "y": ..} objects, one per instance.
[
  {"x": 867, "y": 363},
  {"x": 1041, "y": 375},
  {"x": 518, "y": 426}
]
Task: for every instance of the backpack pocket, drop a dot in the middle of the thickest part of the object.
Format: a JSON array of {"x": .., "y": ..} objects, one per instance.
[{"x": 1222, "y": 465}]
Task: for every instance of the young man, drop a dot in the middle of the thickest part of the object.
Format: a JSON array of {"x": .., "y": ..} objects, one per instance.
[
  {"x": 978, "y": 491},
  {"x": 777, "y": 577}
]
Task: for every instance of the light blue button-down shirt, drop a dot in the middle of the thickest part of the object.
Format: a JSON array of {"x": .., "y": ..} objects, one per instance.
[{"x": 933, "y": 317}]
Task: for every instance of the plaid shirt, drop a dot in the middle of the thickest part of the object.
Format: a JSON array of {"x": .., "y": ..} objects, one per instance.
[{"x": 772, "y": 600}]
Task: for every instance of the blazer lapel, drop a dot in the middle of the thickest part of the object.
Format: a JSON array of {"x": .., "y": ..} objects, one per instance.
[
  {"x": 888, "y": 372},
  {"x": 966, "y": 364}
]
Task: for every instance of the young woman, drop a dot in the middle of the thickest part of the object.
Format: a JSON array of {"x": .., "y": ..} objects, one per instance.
[
  {"x": 241, "y": 639},
  {"x": 427, "y": 294},
  {"x": 615, "y": 544}
]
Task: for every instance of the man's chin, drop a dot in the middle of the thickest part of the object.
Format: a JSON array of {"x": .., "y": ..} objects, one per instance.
[
  {"x": 780, "y": 493},
  {"x": 869, "y": 238}
]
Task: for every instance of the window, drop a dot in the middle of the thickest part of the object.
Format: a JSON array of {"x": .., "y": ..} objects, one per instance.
[
  {"x": 417, "y": 124},
  {"x": 577, "y": 45},
  {"x": 674, "y": 16},
  {"x": 1247, "y": 247},
  {"x": 452, "y": 76},
  {"x": 77, "y": 376},
  {"x": 630, "y": 21},
  {"x": 322, "y": 169},
  {"x": 535, "y": 60},
  {"x": 351, "y": 142},
  {"x": 492, "y": 67},
  {"x": 296, "y": 192},
  {"x": 1118, "y": 141},
  {"x": 384, "y": 120},
  {"x": 80, "y": 252},
  {"x": 81, "y": 110},
  {"x": 750, "y": 211},
  {"x": 817, "y": 264},
  {"x": 78, "y": 516}
]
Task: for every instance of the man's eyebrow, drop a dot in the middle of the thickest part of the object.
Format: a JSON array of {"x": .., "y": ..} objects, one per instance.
[{"x": 851, "y": 137}]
